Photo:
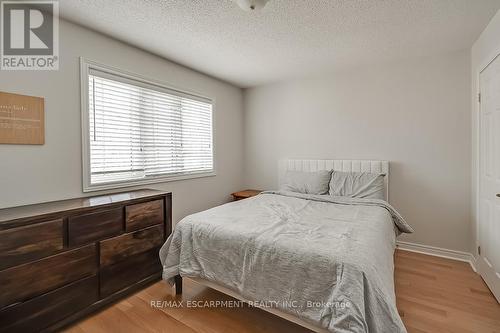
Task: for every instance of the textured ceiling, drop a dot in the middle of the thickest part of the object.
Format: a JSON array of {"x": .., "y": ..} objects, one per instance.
[{"x": 288, "y": 38}]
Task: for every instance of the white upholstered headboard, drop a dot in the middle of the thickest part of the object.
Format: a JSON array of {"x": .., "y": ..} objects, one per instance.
[{"x": 336, "y": 165}]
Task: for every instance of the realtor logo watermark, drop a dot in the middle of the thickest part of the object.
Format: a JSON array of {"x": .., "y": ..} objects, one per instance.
[{"x": 29, "y": 35}]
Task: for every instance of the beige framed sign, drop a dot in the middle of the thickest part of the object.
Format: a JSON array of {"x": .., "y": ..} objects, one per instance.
[{"x": 21, "y": 119}]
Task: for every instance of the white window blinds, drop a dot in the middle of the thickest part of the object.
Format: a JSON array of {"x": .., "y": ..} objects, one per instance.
[{"x": 140, "y": 131}]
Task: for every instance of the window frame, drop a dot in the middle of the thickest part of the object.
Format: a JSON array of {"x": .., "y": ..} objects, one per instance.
[{"x": 86, "y": 66}]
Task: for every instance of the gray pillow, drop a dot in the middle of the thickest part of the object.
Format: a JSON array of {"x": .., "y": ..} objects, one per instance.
[
  {"x": 307, "y": 182},
  {"x": 357, "y": 185}
]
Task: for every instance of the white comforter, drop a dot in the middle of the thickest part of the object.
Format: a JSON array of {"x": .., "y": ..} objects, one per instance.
[{"x": 327, "y": 260}]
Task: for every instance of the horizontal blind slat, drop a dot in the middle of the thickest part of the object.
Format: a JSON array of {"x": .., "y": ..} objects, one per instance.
[{"x": 137, "y": 132}]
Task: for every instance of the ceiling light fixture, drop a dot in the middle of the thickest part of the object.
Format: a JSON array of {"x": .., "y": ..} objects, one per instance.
[{"x": 250, "y": 5}]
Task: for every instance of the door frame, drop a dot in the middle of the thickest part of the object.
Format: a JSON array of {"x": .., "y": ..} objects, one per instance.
[{"x": 477, "y": 116}]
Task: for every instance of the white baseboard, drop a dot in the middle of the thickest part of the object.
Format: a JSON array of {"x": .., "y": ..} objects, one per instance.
[{"x": 438, "y": 252}]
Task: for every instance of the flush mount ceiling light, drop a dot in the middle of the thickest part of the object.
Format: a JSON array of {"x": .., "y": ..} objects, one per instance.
[{"x": 249, "y": 5}]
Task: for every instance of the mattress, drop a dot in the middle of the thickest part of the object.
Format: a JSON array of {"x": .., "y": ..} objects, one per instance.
[{"x": 326, "y": 260}]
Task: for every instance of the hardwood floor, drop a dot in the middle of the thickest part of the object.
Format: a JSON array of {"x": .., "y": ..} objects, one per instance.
[
  {"x": 433, "y": 295},
  {"x": 442, "y": 295}
]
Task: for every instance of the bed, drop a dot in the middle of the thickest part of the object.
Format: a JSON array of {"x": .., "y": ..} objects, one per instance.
[{"x": 323, "y": 262}]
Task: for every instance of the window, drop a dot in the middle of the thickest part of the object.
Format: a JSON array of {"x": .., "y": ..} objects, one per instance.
[{"x": 136, "y": 131}]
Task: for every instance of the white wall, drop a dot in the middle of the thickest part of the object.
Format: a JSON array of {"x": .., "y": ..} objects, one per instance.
[
  {"x": 414, "y": 113},
  {"x": 485, "y": 49},
  {"x": 31, "y": 174}
]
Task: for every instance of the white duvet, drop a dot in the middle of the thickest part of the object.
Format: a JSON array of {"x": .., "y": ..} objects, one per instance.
[{"x": 327, "y": 260}]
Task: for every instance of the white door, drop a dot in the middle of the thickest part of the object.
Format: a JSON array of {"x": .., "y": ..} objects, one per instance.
[{"x": 489, "y": 177}]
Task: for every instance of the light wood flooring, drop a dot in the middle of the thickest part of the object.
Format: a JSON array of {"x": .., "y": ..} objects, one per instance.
[{"x": 433, "y": 294}]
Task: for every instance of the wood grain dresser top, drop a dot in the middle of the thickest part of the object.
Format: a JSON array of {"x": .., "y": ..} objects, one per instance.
[{"x": 46, "y": 209}]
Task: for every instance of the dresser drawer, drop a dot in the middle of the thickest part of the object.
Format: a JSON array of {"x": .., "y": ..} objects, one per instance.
[
  {"x": 87, "y": 228},
  {"x": 45, "y": 310},
  {"x": 143, "y": 215},
  {"x": 125, "y": 273},
  {"x": 121, "y": 247},
  {"x": 23, "y": 244},
  {"x": 32, "y": 279}
]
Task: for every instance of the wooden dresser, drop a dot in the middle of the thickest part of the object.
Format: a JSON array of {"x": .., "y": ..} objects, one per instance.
[{"x": 60, "y": 261}]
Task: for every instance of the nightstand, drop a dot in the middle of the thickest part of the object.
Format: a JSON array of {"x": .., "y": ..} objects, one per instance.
[{"x": 244, "y": 194}]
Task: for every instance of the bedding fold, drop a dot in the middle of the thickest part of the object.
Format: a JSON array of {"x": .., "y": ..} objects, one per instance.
[{"x": 398, "y": 220}]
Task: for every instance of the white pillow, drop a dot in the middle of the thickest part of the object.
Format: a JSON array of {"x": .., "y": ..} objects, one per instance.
[
  {"x": 307, "y": 182},
  {"x": 357, "y": 185}
]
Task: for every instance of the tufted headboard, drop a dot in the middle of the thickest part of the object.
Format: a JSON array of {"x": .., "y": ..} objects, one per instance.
[{"x": 336, "y": 165}]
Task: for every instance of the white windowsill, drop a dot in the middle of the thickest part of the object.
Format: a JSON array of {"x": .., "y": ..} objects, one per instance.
[{"x": 115, "y": 185}]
